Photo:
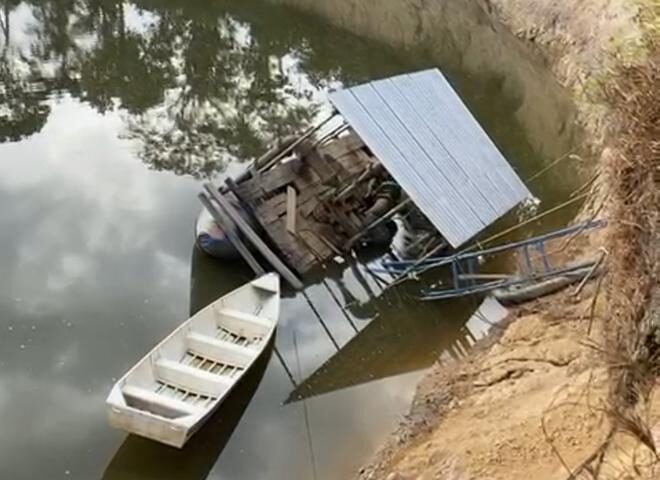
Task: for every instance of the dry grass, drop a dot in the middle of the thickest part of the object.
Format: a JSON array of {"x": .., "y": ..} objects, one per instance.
[{"x": 632, "y": 345}]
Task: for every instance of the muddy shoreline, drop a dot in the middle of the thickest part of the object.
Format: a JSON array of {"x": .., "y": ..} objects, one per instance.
[{"x": 539, "y": 398}]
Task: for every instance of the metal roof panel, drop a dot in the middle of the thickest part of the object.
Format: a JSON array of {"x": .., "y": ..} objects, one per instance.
[{"x": 428, "y": 140}]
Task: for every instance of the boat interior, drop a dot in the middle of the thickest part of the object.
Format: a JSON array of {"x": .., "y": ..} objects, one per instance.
[{"x": 200, "y": 361}]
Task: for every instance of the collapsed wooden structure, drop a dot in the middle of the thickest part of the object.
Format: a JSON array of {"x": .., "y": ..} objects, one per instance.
[
  {"x": 407, "y": 142},
  {"x": 308, "y": 209}
]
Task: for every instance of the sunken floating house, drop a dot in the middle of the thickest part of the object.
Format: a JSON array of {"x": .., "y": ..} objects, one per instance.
[{"x": 407, "y": 145}]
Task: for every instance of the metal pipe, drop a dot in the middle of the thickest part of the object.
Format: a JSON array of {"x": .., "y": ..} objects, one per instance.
[
  {"x": 381, "y": 220},
  {"x": 429, "y": 255},
  {"x": 433, "y": 262},
  {"x": 449, "y": 293}
]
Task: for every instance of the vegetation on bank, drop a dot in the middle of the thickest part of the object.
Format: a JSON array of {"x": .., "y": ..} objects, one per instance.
[{"x": 632, "y": 344}]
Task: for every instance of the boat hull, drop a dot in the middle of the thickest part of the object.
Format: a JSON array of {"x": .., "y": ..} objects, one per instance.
[
  {"x": 148, "y": 426},
  {"x": 169, "y": 394}
]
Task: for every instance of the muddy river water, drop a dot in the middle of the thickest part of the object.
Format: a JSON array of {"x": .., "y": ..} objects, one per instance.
[{"x": 111, "y": 113}]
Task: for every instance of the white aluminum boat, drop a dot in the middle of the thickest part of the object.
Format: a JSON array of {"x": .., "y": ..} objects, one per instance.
[{"x": 173, "y": 390}]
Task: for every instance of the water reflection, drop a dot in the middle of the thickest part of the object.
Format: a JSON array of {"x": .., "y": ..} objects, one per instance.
[
  {"x": 395, "y": 334},
  {"x": 390, "y": 336},
  {"x": 95, "y": 249},
  {"x": 197, "y": 87}
]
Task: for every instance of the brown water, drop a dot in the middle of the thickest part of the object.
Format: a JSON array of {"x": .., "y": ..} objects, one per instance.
[{"x": 110, "y": 113}]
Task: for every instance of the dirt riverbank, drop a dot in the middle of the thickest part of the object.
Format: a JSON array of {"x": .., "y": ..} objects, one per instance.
[{"x": 566, "y": 389}]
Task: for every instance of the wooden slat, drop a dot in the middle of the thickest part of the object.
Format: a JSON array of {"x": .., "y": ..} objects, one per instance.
[
  {"x": 277, "y": 177},
  {"x": 290, "y": 248},
  {"x": 250, "y": 190},
  {"x": 291, "y": 212},
  {"x": 343, "y": 145},
  {"x": 151, "y": 398},
  {"x": 192, "y": 379},
  {"x": 219, "y": 350},
  {"x": 272, "y": 209},
  {"x": 306, "y": 208}
]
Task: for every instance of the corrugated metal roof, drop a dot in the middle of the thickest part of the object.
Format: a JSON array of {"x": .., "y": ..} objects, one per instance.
[{"x": 428, "y": 140}]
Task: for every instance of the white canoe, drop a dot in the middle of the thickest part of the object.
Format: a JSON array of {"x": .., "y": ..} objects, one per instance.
[{"x": 173, "y": 390}]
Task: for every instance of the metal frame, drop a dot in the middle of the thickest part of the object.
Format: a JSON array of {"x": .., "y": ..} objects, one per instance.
[{"x": 461, "y": 263}]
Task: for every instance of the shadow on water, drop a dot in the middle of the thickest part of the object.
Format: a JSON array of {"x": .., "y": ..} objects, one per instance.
[
  {"x": 210, "y": 278},
  {"x": 391, "y": 332},
  {"x": 392, "y": 344},
  {"x": 143, "y": 459}
]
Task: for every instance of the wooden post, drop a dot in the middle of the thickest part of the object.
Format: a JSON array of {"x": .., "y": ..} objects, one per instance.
[
  {"x": 227, "y": 225},
  {"x": 232, "y": 186},
  {"x": 254, "y": 238}
]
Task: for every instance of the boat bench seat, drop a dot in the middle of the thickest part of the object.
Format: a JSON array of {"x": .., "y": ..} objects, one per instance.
[
  {"x": 192, "y": 379},
  {"x": 242, "y": 323},
  {"x": 158, "y": 404},
  {"x": 268, "y": 283},
  {"x": 219, "y": 351}
]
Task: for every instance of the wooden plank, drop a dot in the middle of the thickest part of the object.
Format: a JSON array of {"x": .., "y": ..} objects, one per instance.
[
  {"x": 291, "y": 210},
  {"x": 278, "y": 177},
  {"x": 234, "y": 188},
  {"x": 271, "y": 212},
  {"x": 290, "y": 248},
  {"x": 250, "y": 190},
  {"x": 243, "y": 226},
  {"x": 227, "y": 226},
  {"x": 313, "y": 242},
  {"x": 295, "y": 247},
  {"x": 343, "y": 145},
  {"x": 321, "y": 166},
  {"x": 308, "y": 207}
]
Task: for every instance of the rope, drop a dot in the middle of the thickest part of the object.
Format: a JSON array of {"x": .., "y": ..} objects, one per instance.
[{"x": 308, "y": 428}]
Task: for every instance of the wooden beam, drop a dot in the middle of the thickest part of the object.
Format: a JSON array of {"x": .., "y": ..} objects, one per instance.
[
  {"x": 291, "y": 147},
  {"x": 254, "y": 238},
  {"x": 227, "y": 226},
  {"x": 291, "y": 209}
]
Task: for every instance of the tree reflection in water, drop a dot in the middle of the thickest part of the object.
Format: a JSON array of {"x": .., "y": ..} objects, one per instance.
[{"x": 196, "y": 87}]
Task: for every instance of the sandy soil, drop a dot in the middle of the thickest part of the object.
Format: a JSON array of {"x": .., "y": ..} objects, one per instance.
[
  {"x": 532, "y": 405},
  {"x": 531, "y": 401}
]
